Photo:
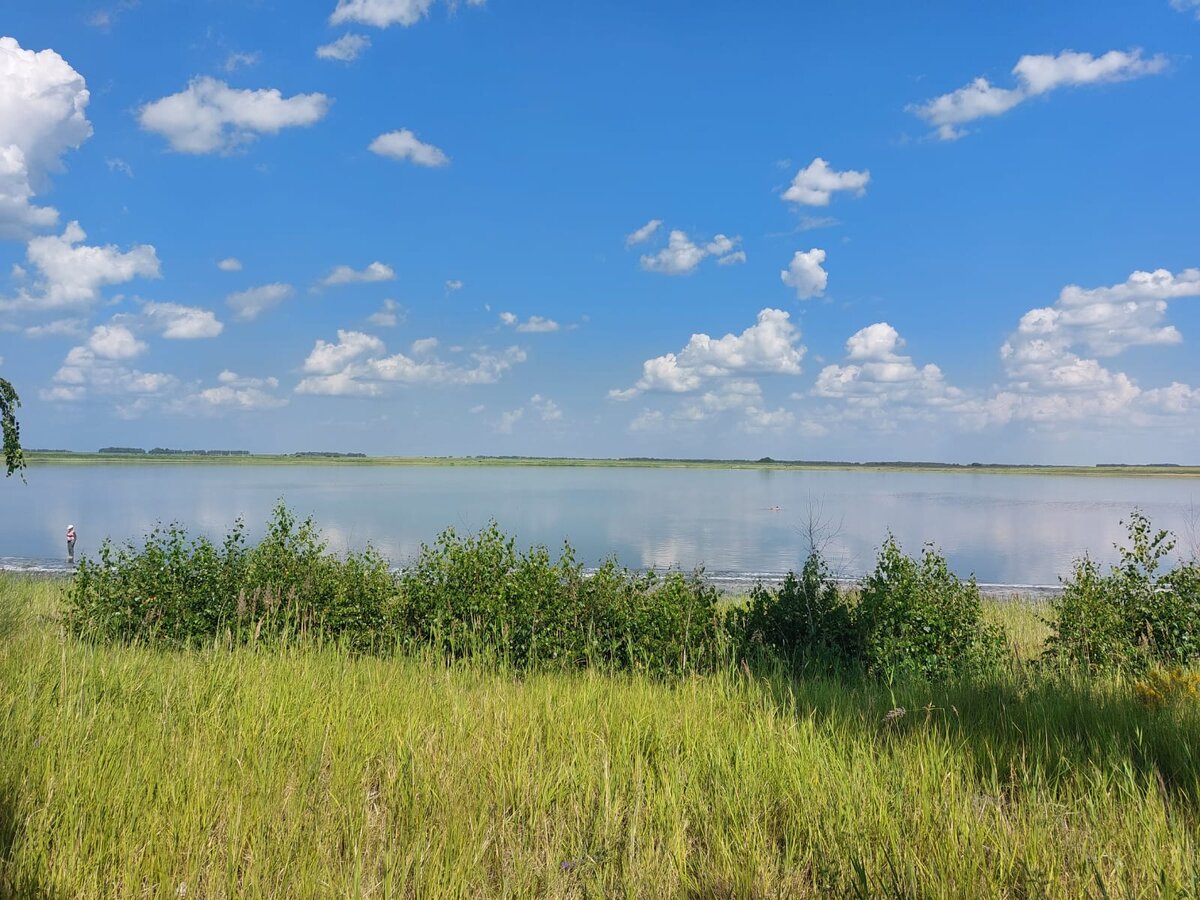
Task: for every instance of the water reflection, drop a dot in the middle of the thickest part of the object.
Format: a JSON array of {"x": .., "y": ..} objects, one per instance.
[{"x": 1010, "y": 529}]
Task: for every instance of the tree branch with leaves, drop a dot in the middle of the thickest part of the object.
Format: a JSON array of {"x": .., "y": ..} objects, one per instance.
[{"x": 14, "y": 458}]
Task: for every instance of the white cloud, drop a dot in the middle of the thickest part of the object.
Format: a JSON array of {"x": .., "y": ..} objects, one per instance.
[
  {"x": 1035, "y": 75},
  {"x": 453, "y": 285},
  {"x": 404, "y": 145},
  {"x": 1183, "y": 6},
  {"x": 365, "y": 371},
  {"x": 115, "y": 342},
  {"x": 682, "y": 255},
  {"x": 233, "y": 392},
  {"x": 877, "y": 374},
  {"x": 771, "y": 346},
  {"x": 508, "y": 420},
  {"x": 546, "y": 408},
  {"x": 1049, "y": 379},
  {"x": 230, "y": 264},
  {"x": 382, "y": 13},
  {"x": 347, "y": 48},
  {"x": 250, "y": 304},
  {"x": 116, "y": 164},
  {"x": 816, "y": 183},
  {"x": 209, "y": 116},
  {"x": 58, "y": 328},
  {"x": 805, "y": 275},
  {"x": 71, "y": 273},
  {"x": 532, "y": 325},
  {"x": 643, "y": 234},
  {"x": 238, "y": 59},
  {"x": 738, "y": 256},
  {"x": 43, "y": 103},
  {"x": 96, "y": 366},
  {"x": 390, "y": 315},
  {"x": 182, "y": 322},
  {"x": 375, "y": 272},
  {"x": 422, "y": 346},
  {"x": 327, "y": 358}
]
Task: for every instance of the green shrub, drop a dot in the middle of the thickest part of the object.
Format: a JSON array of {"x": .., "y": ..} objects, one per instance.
[
  {"x": 909, "y": 617},
  {"x": 807, "y": 618},
  {"x": 177, "y": 591},
  {"x": 915, "y": 617},
  {"x": 1133, "y": 616},
  {"x": 473, "y": 593}
]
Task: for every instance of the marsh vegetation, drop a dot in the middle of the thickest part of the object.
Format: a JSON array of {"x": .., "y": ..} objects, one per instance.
[{"x": 190, "y": 719}]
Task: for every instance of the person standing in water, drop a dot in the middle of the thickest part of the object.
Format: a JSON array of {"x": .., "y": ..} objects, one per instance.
[{"x": 71, "y": 544}]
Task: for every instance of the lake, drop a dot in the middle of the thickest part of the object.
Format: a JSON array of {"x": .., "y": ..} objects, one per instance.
[{"x": 1009, "y": 530}]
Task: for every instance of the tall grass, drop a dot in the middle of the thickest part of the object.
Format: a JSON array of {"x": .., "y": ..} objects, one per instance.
[{"x": 313, "y": 771}]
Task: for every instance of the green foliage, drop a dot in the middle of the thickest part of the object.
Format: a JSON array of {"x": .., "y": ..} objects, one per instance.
[
  {"x": 1135, "y": 615},
  {"x": 909, "y": 617},
  {"x": 467, "y": 594},
  {"x": 178, "y": 592},
  {"x": 14, "y": 458},
  {"x": 464, "y": 597},
  {"x": 807, "y": 618},
  {"x": 915, "y": 617}
]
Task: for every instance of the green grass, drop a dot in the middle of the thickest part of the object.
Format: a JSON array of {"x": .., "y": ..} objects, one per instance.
[
  {"x": 51, "y": 458},
  {"x": 308, "y": 772}
]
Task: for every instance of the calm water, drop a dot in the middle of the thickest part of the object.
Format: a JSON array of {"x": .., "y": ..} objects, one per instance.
[{"x": 1007, "y": 529}]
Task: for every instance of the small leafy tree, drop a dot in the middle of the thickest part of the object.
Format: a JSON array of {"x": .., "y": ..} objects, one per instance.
[
  {"x": 14, "y": 459},
  {"x": 1133, "y": 616}
]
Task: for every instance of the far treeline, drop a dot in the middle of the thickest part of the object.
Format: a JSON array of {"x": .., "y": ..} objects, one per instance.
[{"x": 166, "y": 451}]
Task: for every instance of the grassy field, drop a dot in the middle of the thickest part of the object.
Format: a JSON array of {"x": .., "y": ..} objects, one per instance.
[
  {"x": 51, "y": 458},
  {"x": 307, "y": 772}
]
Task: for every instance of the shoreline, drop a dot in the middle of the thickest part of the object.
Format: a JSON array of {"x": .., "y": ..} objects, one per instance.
[{"x": 37, "y": 458}]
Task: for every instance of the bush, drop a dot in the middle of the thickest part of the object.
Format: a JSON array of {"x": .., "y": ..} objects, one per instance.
[
  {"x": 915, "y": 616},
  {"x": 464, "y": 596},
  {"x": 1134, "y": 616},
  {"x": 475, "y": 593},
  {"x": 178, "y": 592},
  {"x": 808, "y": 618},
  {"x": 909, "y": 617}
]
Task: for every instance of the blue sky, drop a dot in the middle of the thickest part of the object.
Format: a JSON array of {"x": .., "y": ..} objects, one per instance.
[{"x": 854, "y": 230}]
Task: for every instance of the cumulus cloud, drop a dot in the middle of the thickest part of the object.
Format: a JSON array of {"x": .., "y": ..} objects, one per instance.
[
  {"x": 115, "y": 342},
  {"x": 230, "y": 264},
  {"x": 235, "y": 393},
  {"x": 327, "y": 358},
  {"x": 70, "y": 274},
  {"x": 43, "y": 104},
  {"x": 1035, "y": 75},
  {"x": 805, "y": 275},
  {"x": 682, "y": 255},
  {"x": 877, "y": 373},
  {"x": 98, "y": 366},
  {"x": 382, "y": 13},
  {"x": 389, "y": 315},
  {"x": 375, "y": 272},
  {"x": 509, "y": 419},
  {"x": 249, "y": 304},
  {"x": 403, "y": 145},
  {"x": 771, "y": 346},
  {"x": 356, "y": 366},
  {"x": 643, "y": 234},
  {"x": 208, "y": 116},
  {"x": 237, "y": 59},
  {"x": 817, "y": 182},
  {"x": 532, "y": 325},
  {"x": 1049, "y": 377},
  {"x": 453, "y": 284},
  {"x": 179, "y": 322},
  {"x": 347, "y": 48}
]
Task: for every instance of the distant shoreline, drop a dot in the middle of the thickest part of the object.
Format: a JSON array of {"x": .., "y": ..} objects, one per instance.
[{"x": 36, "y": 458}]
